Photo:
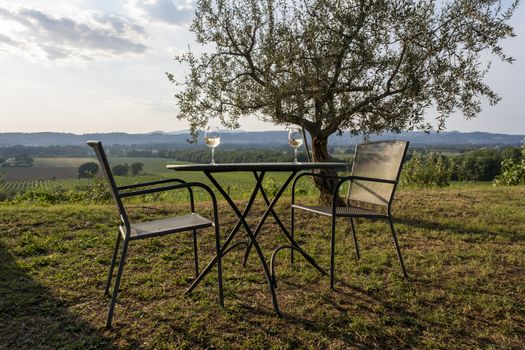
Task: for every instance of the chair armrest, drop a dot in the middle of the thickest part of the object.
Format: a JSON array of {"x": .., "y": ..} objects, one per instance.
[
  {"x": 342, "y": 180},
  {"x": 187, "y": 185},
  {"x": 313, "y": 175},
  {"x": 151, "y": 183},
  {"x": 159, "y": 189},
  {"x": 372, "y": 179},
  {"x": 352, "y": 178},
  {"x": 156, "y": 189}
]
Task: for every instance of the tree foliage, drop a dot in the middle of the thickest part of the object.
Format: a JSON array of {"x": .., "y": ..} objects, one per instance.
[
  {"x": 88, "y": 170},
  {"x": 358, "y": 65},
  {"x": 330, "y": 66},
  {"x": 236, "y": 156},
  {"x": 136, "y": 168},
  {"x": 513, "y": 170},
  {"x": 120, "y": 169}
]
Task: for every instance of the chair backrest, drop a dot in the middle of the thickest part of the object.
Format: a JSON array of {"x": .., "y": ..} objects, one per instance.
[
  {"x": 382, "y": 160},
  {"x": 106, "y": 170}
]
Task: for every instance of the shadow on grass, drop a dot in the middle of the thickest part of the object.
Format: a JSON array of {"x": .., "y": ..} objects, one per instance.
[
  {"x": 32, "y": 317},
  {"x": 457, "y": 228}
]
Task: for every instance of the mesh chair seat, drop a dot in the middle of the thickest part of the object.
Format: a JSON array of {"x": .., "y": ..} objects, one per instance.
[
  {"x": 342, "y": 211},
  {"x": 169, "y": 225}
]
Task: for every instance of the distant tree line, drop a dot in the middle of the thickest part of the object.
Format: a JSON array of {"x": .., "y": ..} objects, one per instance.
[{"x": 234, "y": 156}]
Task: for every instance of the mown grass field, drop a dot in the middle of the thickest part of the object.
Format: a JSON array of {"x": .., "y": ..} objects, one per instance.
[{"x": 464, "y": 248}]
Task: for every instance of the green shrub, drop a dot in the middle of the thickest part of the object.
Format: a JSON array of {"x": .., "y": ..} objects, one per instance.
[
  {"x": 431, "y": 170},
  {"x": 513, "y": 171},
  {"x": 95, "y": 192}
]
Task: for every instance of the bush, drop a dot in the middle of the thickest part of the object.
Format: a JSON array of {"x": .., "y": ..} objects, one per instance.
[
  {"x": 96, "y": 192},
  {"x": 432, "y": 170},
  {"x": 513, "y": 171}
]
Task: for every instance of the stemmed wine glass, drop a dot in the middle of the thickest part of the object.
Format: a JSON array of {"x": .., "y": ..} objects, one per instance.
[
  {"x": 295, "y": 140},
  {"x": 212, "y": 137}
]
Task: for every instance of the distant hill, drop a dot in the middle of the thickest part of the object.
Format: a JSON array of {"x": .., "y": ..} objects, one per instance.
[{"x": 253, "y": 139}]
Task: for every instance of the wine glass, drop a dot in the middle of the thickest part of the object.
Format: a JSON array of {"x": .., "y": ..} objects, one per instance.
[
  {"x": 212, "y": 137},
  {"x": 295, "y": 140}
]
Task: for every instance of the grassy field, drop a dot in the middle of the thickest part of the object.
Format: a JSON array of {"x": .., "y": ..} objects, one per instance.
[
  {"x": 464, "y": 249},
  {"x": 24, "y": 179},
  {"x": 154, "y": 166}
]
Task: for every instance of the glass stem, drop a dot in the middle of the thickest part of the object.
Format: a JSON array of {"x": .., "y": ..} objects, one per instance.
[
  {"x": 295, "y": 155},
  {"x": 213, "y": 155}
]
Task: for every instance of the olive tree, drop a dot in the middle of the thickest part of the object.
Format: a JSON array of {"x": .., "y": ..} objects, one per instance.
[{"x": 361, "y": 66}]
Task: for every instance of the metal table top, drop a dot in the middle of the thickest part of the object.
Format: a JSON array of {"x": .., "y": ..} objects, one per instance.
[{"x": 272, "y": 166}]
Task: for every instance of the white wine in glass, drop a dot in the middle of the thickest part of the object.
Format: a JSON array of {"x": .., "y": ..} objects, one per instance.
[
  {"x": 295, "y": 140},
  {"x": 212, "y": 137}
]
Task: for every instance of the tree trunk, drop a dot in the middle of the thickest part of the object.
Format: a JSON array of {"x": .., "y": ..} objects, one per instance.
[{"x": 326, "y": 186}]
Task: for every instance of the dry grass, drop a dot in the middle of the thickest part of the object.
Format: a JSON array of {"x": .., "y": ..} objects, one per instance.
[{"x": 464, "y": 249}]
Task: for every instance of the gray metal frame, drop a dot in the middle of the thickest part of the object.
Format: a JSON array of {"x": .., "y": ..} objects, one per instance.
[
  {"x": 125, "y": 228},
  {"x": 334, "y": 212},
  {"x": 258, "y": 170}
]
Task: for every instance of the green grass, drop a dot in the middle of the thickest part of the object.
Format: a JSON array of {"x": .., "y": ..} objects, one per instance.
[
  {"x": 154, "y": 166},
  {"x": 464, "y": 248},
  {"x": 60, "y": 161},
  {"x": 237, "y": 184}
]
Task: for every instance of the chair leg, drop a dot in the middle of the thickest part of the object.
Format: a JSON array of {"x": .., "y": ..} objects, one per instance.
[
  {"x": 112, "y": 267},
  {"x": 195, "y": 253},
  {"x": 219, "y": 264},
  {"x": 292, "y": 230},
  {"x": 117, "y": 284},
  {"x": 394, "y": 236},
  {"x": 355, "y": 238},
  {"x": 332, "y": 254}
]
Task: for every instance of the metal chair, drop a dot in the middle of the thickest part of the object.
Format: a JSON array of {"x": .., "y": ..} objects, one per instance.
[
  {"x": 128, "y": 231},
  {"x": 373, "y": 181}
]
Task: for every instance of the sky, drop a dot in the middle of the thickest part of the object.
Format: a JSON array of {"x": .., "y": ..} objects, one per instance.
[{"x": 86, "y": 66}]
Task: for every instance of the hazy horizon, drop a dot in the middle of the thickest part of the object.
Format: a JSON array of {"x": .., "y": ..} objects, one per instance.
[
  {"x": 97, "y": 66},
  {"x": 178, "y": 132}
]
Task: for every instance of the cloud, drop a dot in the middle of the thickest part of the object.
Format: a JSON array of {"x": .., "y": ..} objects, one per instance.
[
  {"x": 92, "y": 35},
  {"x": 119, "y": 24},
  {"x": 174, "y": 13},
  {"x": 4, "y": 39}
]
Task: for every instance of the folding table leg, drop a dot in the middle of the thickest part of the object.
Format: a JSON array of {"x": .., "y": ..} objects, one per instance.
[
  {"x": 225, "y": 247},
  {"x": 274, "y": 214},
  {"x": 251, "y": 235},
  {"x": 269, "y": 210}
]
